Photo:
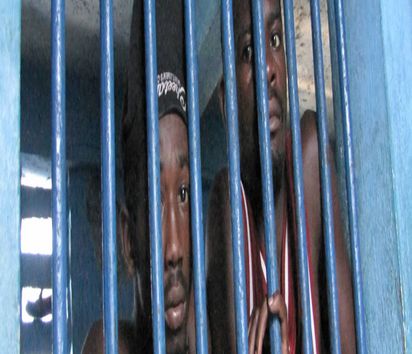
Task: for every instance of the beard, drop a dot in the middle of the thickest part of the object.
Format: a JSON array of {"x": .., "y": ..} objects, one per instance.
[
  {"x": 176, "y": 341},
  {"x": 278, "y": 159}
]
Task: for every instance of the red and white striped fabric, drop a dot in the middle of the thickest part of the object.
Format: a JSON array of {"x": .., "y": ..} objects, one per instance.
[{"x": 256, "y": 282}]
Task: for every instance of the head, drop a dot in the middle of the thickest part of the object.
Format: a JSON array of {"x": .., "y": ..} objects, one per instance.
[
  {"x": 246, "y": 92},
  {"x": 174, "y": 175}
]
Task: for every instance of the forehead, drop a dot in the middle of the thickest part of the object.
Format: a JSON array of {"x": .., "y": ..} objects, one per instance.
[
  {"x": 172, "y": 136},
  {"x": 243, "y": 12}
]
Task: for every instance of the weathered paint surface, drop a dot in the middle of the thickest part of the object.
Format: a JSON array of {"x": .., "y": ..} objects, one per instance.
[
  {"x": 397, "y": 46},
  {"x": 381, "y": 126},
  {"x": 10, "y": 12}
]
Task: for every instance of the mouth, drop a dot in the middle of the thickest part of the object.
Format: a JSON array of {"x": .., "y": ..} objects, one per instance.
[
  {"x": 175, "y": 309},
  {"x": 274, "y": 117},
  {"x": 274, "y": 124}
]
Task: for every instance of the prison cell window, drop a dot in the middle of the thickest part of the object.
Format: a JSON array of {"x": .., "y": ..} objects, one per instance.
[
  {"x": 36, "y": 236},
  {"x": 35, "y": 304},
  {"x": 34, "y": 180}
]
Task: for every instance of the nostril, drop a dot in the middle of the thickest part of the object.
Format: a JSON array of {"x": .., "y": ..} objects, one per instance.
[
  {"x": 174, "y": 262},
  {"x": 272, "y": 77}
]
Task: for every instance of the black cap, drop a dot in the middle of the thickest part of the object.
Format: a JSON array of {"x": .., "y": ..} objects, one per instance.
[
  {"x": 170, "y": 57},
  {"x": 170, "y": 65}
]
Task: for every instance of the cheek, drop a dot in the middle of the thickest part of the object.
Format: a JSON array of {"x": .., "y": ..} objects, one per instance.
[
  {"x": 281, "y": 69},
  {"x": 243, "y": 81},
  {"x": 186, "y": 241}
]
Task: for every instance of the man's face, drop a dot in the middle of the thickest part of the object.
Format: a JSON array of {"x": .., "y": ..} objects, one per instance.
[
  {"x": 276, "y": 81},
  {"x": 174, "y": 180}
]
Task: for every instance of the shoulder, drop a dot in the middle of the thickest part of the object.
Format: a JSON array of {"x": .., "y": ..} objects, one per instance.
[
  {"x": 94, "y": 342},
  {"x": 310, "y": 160},
  {"x": 310, "y": 153},
  {"x": 309, "y": 136}
]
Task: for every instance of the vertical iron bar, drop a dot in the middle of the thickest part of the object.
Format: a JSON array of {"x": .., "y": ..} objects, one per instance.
[
  {"x": 234, "y": 177},
  {"x": 350, "y": 175},
  {"x": 108, "y": 178},
  {"x": 266, "y": 164},
  {"x": 59, "y": 177},
  {"x": 154, "y": 179},
  {"x": 198, "y": 243},
  {"x": 327, "y": 208},
  {"x": 298, "y": 172}
]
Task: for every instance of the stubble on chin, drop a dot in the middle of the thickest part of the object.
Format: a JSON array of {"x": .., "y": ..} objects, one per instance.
[
  {"x": 177, "y": 345},
  {"x": 278, "y": 158}
]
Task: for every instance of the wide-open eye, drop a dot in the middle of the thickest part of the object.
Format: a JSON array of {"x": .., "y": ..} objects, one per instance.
[
  {"x": 275, "y": 40},
  {"x": 184, "y": 194},
  {"x": 247, "y": 53}
]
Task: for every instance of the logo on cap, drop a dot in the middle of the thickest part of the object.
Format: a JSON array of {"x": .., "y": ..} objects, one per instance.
[{"x": 168, "y": 82}]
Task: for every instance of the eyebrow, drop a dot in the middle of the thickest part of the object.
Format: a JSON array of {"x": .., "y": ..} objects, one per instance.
[
  {"x": 246, "y": 30},
  {"x": 182, "y": 160},
  {"x": 273, "y": 16}
]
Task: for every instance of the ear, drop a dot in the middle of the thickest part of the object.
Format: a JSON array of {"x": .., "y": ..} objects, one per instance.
[
  {"x": 222, "y": 101},
  {"x": 126, "y": 241}
]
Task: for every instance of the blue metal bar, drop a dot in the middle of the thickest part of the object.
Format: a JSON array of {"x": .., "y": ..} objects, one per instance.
[
  {"x": 108, "y": 178},
  {"x": 59, "y": 178},
  {"x": 266, "y": 164},
  {"x": 350, "y": 175},
  {"x": 298, "y": 171},
  {"x": 234, "y": 177},
  {"x": 327, "y": 207},
  {"x": 154, "y": 178},
  {"x": 198, "y": 243}
]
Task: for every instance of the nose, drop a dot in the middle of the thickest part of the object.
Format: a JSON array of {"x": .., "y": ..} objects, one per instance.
[
  {"x": 270, "y": 66},
  {"x": 171, "y": 239}
]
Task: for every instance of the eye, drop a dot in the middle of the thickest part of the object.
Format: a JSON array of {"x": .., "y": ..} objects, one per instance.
[
  {"x": 275, "y": 40},
  {"x": 184, "y": 194},
  {"x": 247, "y": 53}
]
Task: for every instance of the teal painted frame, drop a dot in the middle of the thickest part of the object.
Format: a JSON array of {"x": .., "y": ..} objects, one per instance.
[
  {"x": 10, "y": 15},
  {"x": 397, "y": 48},
  {"x": 379, "y": 53}
]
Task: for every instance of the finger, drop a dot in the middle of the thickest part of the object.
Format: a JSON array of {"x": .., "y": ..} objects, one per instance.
[
  {"x": 252, "y": 334},
  {"x": 277, "y": 306},
  {"x": 261, "y": 330},
  {"x": 249, "y": 325}
]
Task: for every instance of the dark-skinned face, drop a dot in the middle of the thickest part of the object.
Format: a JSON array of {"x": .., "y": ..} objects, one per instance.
[
  {"x": 174, "y": 180},
  {"x": 175, "y": 214},
  {"x": 276, "y": 81}
]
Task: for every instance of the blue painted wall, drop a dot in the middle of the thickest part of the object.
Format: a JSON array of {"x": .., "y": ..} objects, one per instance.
[
  {"x": 397, "y": 47},
  {"x": 10, "y": 13},
  {"x": 379, "y": 53}
]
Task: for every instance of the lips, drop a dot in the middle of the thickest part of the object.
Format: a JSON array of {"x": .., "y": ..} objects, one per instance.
[
  {"x": 274, "y": 116},
  {"x": 175, "y": 307}
]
